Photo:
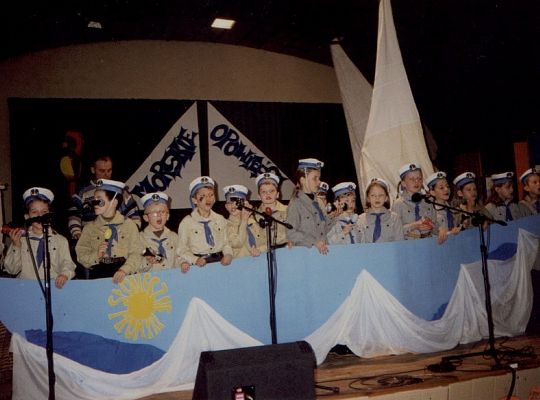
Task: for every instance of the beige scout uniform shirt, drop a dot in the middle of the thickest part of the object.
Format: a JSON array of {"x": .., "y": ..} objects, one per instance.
[
  {"x": 18, "y": 259},
  {"x": 169, "y": 241},
  {"x": 129, "y": 244},
  {"x": 192, "y": 240},
  {"x": 238, "y": 236},
  {"x": 279, "y": 213}
]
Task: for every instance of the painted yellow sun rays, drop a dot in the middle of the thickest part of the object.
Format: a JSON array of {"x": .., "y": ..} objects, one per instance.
[{"x": 136, "y": 293}]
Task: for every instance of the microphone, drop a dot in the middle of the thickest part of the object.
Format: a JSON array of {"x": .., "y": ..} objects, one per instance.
[
  {"x": 418, "y": 197},
  {"x": 97, "y": 202},
  {"x": 268, "y": 211},
  {"x": 330, "y": 207},
  {"x": 42, "y": 219},
  {"x": 239, "y": 202}
]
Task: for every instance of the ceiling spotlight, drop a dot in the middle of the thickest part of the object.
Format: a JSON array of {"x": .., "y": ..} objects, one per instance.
[
  {"x": 95, "y": 25},
  {"x": 222, "y": 23}
]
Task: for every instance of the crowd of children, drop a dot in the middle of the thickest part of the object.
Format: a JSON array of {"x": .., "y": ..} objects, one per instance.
[{"x": 110, "y": 244}]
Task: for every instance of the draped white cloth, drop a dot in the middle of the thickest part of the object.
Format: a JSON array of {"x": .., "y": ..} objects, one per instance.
[
  {"x": 370, "y": 321},
  {"x": 393, "y": 134},
  {"x": 202, "y": 330}
]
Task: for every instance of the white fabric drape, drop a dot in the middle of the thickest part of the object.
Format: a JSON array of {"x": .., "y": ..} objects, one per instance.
[
  {"x": 393, "y": 135},
  {"x": 202, "y": 330},
  {"x": 372, "y": 322}
]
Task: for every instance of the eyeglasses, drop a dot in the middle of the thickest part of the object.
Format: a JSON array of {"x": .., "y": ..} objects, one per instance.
[{"x": 158, "y": 213}]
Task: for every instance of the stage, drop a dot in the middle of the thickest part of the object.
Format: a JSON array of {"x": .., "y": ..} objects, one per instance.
[{"x": 407, "y": 377}]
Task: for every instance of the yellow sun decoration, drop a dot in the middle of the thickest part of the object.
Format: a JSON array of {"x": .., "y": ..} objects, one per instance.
[{"x": 141, "y": 301}]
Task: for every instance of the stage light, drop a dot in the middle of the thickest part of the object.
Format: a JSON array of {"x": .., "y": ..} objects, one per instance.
[{"x": 222, "y": 23}]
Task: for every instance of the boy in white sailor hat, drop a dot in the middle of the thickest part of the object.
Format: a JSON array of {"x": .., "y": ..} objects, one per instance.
[
  {"x": 268, "y": 190},
  {"x": 531, "y": 188},
  {"x": 160, "y": 241},
  {"x": 418, "y": 217},
  {"x": 345, "y": 230},
  {"x": 468, "y": 198},
  {"x": 501, "y": 203},
  {"x": 239, "y": 226},
  {"x": 439, "y": 188},
  {"x": 306, "y": 210},
  {"x": 111, "y": 244},
  {"x": 378, "y": 223},
  {"x": 19, "y": 260},
  {"x": 202, "y": 235}
]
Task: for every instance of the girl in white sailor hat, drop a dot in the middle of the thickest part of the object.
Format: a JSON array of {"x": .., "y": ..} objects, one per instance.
[
  {"x": 239, "y": 225},
  {"x": 202, "y": 235},
  {"x": 345, "y": 230},
  {"x": 468, "y": 198},
  {"x": 268, "y": 190},
  {"x": 501, "y": 203},
  {"x": 159, "y": 240},
  {"x": 418, "y": 217},
  {"x": 378, "y": 223},
  {"x": 531, "y": 189},
  {"x": 439, "y": 188},
  {"x": 25, "y": 264},
  {"x": 306, "y": 211},
  {"x": 111, "y": 244}
]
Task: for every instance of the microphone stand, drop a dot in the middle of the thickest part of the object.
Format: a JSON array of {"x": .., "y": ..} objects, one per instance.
[
  {"x": 478, "y": 219},
  {"x": 267, "y": 223},
  {"x": 48, "y": 309}
]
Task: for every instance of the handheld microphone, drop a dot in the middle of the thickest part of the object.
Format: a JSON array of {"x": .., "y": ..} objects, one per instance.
[
  {"x": 268, "y": 211},
  {"x": 331, "y": 207},
  {"x": 6, "y": 229},
  {"x": 239, "y": 203},
  {"x": 42, "y": 219},
  {"x": 97, "y": 202},
  {"x": 418, "y": 197}
]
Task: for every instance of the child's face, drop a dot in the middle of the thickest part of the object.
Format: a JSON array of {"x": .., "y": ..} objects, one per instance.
[
  {"x": 505, "y": 191},
  {"x": 468, "y": 192},
  {"x": 412, "y": 181},
  {"x": 204, "y": 199},
  {"x": 230, "y": 206},
  {"x": 532, "y": 185},
  {"x": 268, "y": 193},
  {"x": 157, "y": 215},
  {"x": 377, "y": 197},
  {"x": 101, "y": 195},
  {"x": 310, "y": 182},
  {"x": 37, "y": 208},
  {"x": 441, "y": 190},
  {"x": 349, "y": 199}
]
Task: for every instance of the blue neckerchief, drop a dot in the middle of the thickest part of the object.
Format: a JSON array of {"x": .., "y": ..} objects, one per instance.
[
  {"x": 318, "y": 208},
  {"x": 377, "y": 229},
  {"x": 417, "y": 211},
  {"x": 114, "y": 237},
  {"x": 208, "y": 233},
  {"x": 161, "y": 250},
  {"x": 347, "y": 222},
  {"x": 40, "y": 253},
  {"x": 251, "y": 237},
  {"x": 508, "y": 212},
  {"x": 450, "y": 218}
]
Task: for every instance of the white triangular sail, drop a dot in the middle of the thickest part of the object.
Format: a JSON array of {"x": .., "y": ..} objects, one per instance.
[
  {"x": 234, "y": 159},
  {"x": 173, "y": 163}
]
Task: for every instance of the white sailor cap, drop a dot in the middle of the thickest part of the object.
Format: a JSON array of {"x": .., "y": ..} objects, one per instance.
[
  {"x": 434, "y": 177},
  {"x": 380, "y": 182},
  {"x": 153, "y": 198},
  {"x": 464, "y": 178},
  {"x": 311, "y": 163},
  {"x": 37, "y": 193},
  {"x": 239, "y": 191},
  {"x": 200, "y": 182},
  {"x": 267, "y": 177},
  {"x": 409, "y": 168},
  {"x": 323, "y": 187},
  {"x": 110, "y": 185},
  {"x": 343, "y": 188},
  {"x": 529, "y": 172},
  {"x": 503, "y": 177}
]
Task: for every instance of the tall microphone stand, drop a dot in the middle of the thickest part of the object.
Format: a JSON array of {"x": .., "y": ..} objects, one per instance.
[
  {"x": 267, "y": 223},
  {"x": 46, "y": 224},
  {"x": 478, "y": 219}
]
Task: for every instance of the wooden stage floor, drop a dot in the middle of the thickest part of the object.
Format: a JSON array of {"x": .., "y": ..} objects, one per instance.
[{"x": 407, "y": 377}]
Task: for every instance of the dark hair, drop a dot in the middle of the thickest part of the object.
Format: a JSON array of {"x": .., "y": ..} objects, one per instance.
[
  {"x": 111, "y": 195},
  {"x": 375, "y": 183},
  {"x": 103, "y": 157},
  {"x": 300, "y": 173},
  {"x": 494, "y": 196}
]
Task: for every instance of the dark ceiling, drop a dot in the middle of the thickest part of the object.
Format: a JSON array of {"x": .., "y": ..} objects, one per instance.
[{"x": 473, "y": 66}]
